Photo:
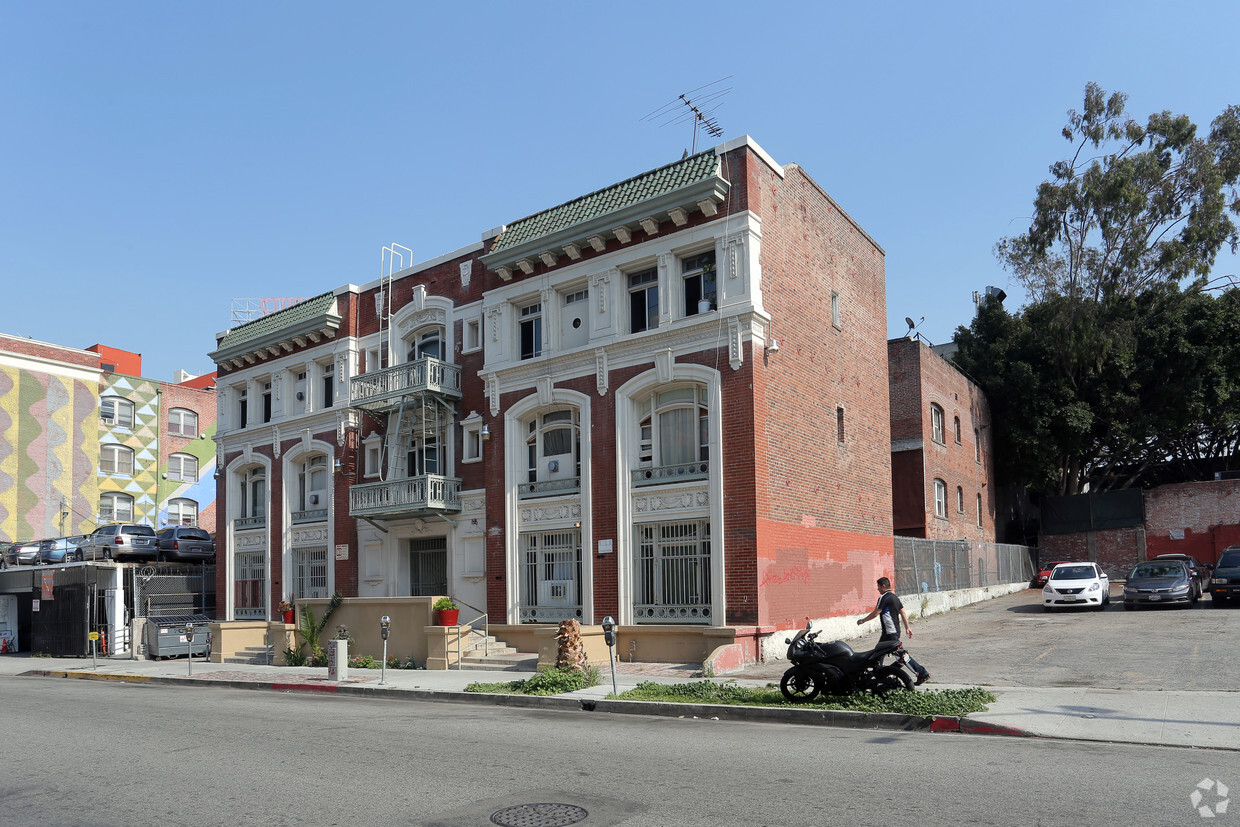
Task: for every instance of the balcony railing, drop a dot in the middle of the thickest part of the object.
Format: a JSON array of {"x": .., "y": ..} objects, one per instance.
[
  {"x": 683, "y": 472},
  {"x": 246, "y": 523},
  {"x": 379, "y": 389},
  {"x": 548, "y": 488},
  {"x": 310, "y": 515},
  {"x": 409, "y": 496}
]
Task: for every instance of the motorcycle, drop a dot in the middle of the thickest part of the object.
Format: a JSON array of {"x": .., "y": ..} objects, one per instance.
[{"x": 835, "y": 669}]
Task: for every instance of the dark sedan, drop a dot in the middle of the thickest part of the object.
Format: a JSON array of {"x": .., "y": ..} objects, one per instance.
[
  {"x": 1160, "y": 582},
  {"x": 25, "y": 554},
  {"x": 186, "y": 543}
]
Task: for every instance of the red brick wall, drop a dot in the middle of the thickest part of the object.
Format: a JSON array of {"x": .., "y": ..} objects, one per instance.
[
  {"x": 44, "y": 350},
  {"x": 1197, "y": 518},
  {"x": 201, "y": 402},
  {"x": 1117, "y": 550},
  {"x": 920, "y": 378}
]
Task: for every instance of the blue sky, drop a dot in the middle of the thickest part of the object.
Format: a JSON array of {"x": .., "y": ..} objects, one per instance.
[{"x": 158, "y": 160}]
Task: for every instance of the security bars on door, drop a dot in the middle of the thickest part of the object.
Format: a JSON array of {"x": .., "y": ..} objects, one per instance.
[
  {"x": 550, "y": 577},
  {"x": 671, "y": 577}
]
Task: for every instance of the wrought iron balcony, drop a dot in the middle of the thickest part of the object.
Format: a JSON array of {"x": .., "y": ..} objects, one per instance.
[
  {"x": 310, "y": 515},
  {"x": 406, "y": 497},
  {"x": 664, "y": 474},
  {"x": 246, "y": 523},
  {"x": 382, "y": 389},
  {"x": 548, "y": 488}
]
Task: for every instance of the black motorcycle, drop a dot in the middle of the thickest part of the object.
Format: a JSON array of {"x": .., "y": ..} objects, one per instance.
[{"x": 835, "y": 669}]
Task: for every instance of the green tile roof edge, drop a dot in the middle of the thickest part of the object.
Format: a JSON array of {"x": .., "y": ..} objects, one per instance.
[
  {"x": 584, "y": 213},
  {"x": 314, "y": 310}
]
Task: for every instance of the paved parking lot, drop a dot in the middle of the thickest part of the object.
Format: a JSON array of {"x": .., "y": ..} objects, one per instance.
[{"x": 1011, "y": 641}]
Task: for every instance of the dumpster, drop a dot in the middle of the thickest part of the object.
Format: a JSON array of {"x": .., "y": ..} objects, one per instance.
[{"x": 165, "y": 636}]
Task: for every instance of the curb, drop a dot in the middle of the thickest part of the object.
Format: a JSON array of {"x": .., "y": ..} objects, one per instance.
[{"x": 840, "y": 719}]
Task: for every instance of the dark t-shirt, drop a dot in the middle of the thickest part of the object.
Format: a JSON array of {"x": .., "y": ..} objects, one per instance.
[{"x": 889, "y": 607}]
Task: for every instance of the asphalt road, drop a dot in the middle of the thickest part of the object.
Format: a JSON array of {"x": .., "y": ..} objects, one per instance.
[
  {"x": 1011, "y": 641},
  {"x": 84, "y": 752}
]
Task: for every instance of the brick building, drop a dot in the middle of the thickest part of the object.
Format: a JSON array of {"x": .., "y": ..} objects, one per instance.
[
  {"x": 87, "y": 440},
  {"x": 662, "y": 401},
  {"x": 942, "y": 469}
]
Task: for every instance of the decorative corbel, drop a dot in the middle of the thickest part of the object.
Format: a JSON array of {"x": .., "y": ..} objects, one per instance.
[
  {"x": 650, "y": 225},
  {"x": 708, "y": 207},
  {"x": 504, "y": 272},
  {"x": 275, "y": 441},
  {"x": 624, "y": 234},
  {"x": 526, "y": 265},
  {"x": 548, "y": 257},
  {"x": 600, "y": 371},
  {"x": 598, "y": 243},
  {"x": 573, "y": 251},
  {"x": 679, "y": 216}
]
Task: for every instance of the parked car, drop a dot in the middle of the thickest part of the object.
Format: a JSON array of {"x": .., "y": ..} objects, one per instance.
[
  {"x": 22, "y": 554},
  {"x": 1158, "y": 582},
  {"x": 61, "y": 550},
  {"x": 185, "y": 543},
  {"x": 1225, "y": 584},
  {"x": 1076, "y": 585},
  {"x": 1045, "y": 573},
  {"x": 1200, "y": 572},
  {"x": 119, "y": 541}
]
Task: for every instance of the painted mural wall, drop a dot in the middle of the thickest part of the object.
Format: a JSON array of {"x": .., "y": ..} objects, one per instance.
[
  {"x": 49, "y": 449},
  {"x": 140, "y": 436}
]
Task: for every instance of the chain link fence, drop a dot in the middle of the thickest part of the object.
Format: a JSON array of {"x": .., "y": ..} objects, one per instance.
[{"x": 945, "y": 565}]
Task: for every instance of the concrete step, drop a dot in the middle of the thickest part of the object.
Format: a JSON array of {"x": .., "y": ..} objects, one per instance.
[
  {"x": 261, "y": 655},
  {"x": 513, "y": 661}
]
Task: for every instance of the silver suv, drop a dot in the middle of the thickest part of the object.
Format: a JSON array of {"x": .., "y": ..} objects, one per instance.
[{"x": 120, "y": 541}]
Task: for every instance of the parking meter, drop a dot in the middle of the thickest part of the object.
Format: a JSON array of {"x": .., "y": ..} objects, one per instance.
[
  {"x": 189, "y": 646},
  {"x": 385, "y": 625},
  {"x": 609, "y": 637}
]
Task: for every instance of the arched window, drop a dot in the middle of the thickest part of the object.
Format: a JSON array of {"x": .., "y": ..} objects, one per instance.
[
  {"x": 116, "y": 459},
  {"x": 117, "y": 411},
  {"x": 940, "y": 499},
  {"x": 936, "y": 423},
  {"x": 959, "y": 500},
  {"x": 674, "y": 438},
  {"x": 115, "y": 507},
  {"x": 552, "y": 454},
  {"x": 956, "y": 424},
  {"x": 427, "y": 342},
  {"x": 312, "y": 483},
  {"x": 182, "y": 422},
  {"x": 183, "y": 467},
  {"x": 182, "y": 512},
  {"x": 254, "y": 493}
]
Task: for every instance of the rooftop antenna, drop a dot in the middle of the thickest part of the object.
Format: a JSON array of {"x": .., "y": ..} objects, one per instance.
[
  {"x": 697, "y": 105},
  {"x": 908, "y": 320}
]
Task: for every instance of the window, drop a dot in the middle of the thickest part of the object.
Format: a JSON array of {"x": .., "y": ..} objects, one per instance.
[
  {"x": 936, "y": 424},
  {"x": 839, "y": 425},
  {"x": 979, "y": 510},
  {"x": 977, "y": 445},
  {"x": 182, "y": 422},
  {"x": 552, "y": 454},
  {"x": 312, "y": 484},
  {"x": 243, "y": 409},
  {"x": 374, "y": 454},
  {"x": 956, "y": 427},
  {"x": 182, "y": 512},
  {"x": 674, "y": 437},
  {"x": 472, "y": 443},
  {"x": 116, "y": 459},
  {"x": 959, "y": 500},
  {"x": 531, "y": 331},
  {"x": 266, "y": 402},
  {"x": 940, "y": 499},
  {"x": 644, "y": 300},
  {"x": 248, "y": 591},
  {"x": 423, "y": 456},
  {"x": 671, "y": 575},
  {"x": 329, "y": 385},
  {"x": 473, "y": 335},
  {"x": 115, "y": 507},
  {"x": 550, "y": 576},
  {"x": 254, "y": 493},
  {"x": 299, "y": 390},
  {"x": 836, "y": 317},
  {"x": 113, "y": 410},
  {"x": 700, "y": 290},
  {"x": 310, "y": 572},
  {"x": 183, "y": 467},
  {"x": 426, "y": 344},
  {"x": 428, "y": 566}
]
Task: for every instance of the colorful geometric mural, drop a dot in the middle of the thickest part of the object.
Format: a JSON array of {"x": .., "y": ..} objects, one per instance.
[
  {"x": 142, "y": 438},
  {"x": 201, "y": 491},
  {"x": 48, "y": 449}
]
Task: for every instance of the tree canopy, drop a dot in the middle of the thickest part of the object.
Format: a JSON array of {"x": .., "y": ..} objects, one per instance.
[{"x": 1123, "y": 365}]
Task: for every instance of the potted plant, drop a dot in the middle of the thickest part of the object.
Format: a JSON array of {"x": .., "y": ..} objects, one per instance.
[
  {"x": 447, "y": 613},
  {"x": 286, "y": 610},
  {"x": 705, "y": 305}
]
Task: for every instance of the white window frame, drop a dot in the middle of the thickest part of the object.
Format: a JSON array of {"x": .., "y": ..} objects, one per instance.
[
  {"x": 110, "y": 460},
  {"x": 183, "y": 422},
  {"x": 937, "y": 427},
  {"x": 109, "y": 512},
  {"x": 940, "y": 498},
  {"x": 309, "y": 572},
  {"x": 695, "y": 267},
  {"x": 121, "y": 413},
  {"x": 471, "y": 335},
  {"x": 649, "y": 281},
  {"x": 182, "y": 511},
  {"x": 959, "y": 499},
  {"x": 531, "y": 315},
  {"x": 183, "y": 467}
]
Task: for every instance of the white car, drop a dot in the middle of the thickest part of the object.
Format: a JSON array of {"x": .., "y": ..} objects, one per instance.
[{"x": 1081, "y": 585}]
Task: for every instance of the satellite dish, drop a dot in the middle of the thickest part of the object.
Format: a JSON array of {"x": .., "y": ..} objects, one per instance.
[{"x": 909, "y": 322}]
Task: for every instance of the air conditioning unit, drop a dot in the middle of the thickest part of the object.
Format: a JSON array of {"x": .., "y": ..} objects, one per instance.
[
  {"x": 300, "y": 396},
  {"x": 314, "y": 499},
  {"x": 555, "y": 592}
]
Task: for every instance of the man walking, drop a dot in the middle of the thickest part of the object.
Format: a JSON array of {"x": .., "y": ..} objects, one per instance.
[{"x": 890, "y": 612}]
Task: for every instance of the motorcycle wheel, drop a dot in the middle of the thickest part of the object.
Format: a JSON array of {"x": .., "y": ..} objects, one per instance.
[
  {"x": 800, "y": 686},
  {"x": 895, "y": 679}
]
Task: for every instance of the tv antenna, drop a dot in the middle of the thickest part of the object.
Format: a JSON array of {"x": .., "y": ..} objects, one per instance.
[{"x": 697, "y": 105}]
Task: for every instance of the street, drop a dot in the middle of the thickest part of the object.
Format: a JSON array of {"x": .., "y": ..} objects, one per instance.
[{"x": 122, "y": 753}]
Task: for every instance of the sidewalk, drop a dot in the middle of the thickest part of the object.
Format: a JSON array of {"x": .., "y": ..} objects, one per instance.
[{"x": 1171, "y": 718}]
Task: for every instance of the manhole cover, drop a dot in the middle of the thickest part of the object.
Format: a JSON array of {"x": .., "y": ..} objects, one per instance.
[{"x": 538, "y": 815}]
